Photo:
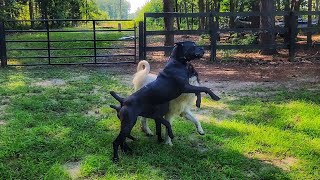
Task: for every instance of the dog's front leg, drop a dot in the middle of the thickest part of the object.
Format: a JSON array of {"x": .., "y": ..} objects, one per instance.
[
  {"x": 198, "y": 102},
  {"x": 158, "y": 130},
  {"x": 166, "y": 124},
  {"x": 195, "y": 89}
]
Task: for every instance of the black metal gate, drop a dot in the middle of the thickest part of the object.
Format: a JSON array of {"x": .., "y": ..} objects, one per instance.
[{"x": 67, "y": 42}]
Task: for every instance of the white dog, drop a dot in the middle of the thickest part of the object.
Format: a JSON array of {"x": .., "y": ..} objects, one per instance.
[{"x": 178, "y": 107}]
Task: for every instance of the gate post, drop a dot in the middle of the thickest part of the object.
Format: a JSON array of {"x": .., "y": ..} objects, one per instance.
[
  {"x": 3, "y": 49},
  {"x": 141, "y": 41},
  {"x": 292, "y": 32}
]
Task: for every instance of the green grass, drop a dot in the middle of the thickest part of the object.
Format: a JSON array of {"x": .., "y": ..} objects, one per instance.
[
  {"x": 58, "y": 36},
  {"x": 47, "y": 126}
]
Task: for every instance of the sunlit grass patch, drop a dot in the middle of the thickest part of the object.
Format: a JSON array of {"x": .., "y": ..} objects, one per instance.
[{"x": 50, "y": 134}]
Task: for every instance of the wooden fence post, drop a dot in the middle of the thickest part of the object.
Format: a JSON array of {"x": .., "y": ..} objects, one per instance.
[
  {"x": 292, "y": 31},
  {"x": 213, "y": 37},
  {"x": 3, "y": 49},
  {"x": 141, "y": 41},
  {"x": 144, "y": 37},
  {"x": 309, "y": 33}
]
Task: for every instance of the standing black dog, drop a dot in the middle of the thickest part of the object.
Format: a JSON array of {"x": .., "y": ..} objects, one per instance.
[
  {"x": 156, "y": 112},
  {"x": 170, "y": 83}
]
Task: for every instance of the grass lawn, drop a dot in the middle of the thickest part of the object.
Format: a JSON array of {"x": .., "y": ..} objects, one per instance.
[{"x": 55, "y": 123}]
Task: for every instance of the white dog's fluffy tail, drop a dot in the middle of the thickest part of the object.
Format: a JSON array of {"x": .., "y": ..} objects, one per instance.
[
  {"x": 142, "y": 76},
  {"x": 143, "y": 65}
]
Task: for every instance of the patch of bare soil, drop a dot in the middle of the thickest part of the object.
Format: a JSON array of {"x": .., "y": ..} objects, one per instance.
[
  {"x": 3, "y": 109},
  {"x": 73, "y": 169},
  {"x": 285, "y": 163},
  {"x": 197, "y": 144},
  {"x": 52, "y": 82},
  {"x": 2, "y": 123},
  {"x": 235, "y": 76},
  {"x": 95, "y": 112}
]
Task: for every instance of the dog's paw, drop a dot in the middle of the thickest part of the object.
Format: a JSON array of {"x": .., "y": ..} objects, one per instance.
[
  {"x": 198, "y": 103},
  {"x": 148, "y": 132},
  {"x": 115, "y": 160},
  {"x": 160, "y": 140},
  {"x": 168, "y": 143},
  {"x": 126, "y": 149},
  {"x": 201, "y": 133},
  {"x": 214, "y": 97},
  {"x": 200, "y": 130}
]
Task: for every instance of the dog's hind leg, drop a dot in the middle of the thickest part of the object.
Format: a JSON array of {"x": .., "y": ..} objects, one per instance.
[
  {"x": 145, "y": 128},
  {"x": 128, "y": 120},
  {"x": 169, "y": 118},
  {"x": 188, "y": 115},
  {"x": 116, "y": 143}
]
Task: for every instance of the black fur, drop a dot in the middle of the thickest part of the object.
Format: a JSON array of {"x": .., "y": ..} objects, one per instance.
[{"x": 170, "y": 83}]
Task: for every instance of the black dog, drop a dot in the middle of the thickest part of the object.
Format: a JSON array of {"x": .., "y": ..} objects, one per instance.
[
  {"x": 170, "y": 83},
  {"x": 157, "y": 112}
]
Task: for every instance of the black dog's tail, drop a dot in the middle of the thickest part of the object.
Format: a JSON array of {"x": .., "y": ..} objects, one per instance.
[
  {"x": 117, "y": 108},
  {"x": 117, "y": 97}
]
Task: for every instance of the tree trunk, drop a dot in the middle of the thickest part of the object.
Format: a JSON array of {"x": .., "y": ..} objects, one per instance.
[
  {"x": 309, "y": 34},
  {"x": 255, "y": 20},
  {"x": 286, "y": 21},
  {"x": 177, "y": 10},
  {"x": 186, "y": 11},
  {"x": 267, "y": 38},
  {"x": 232, "y": 18},
  {"x": 201, "y": 10},
  {"x": 168, "y": 23},
  {"x": 290, "y": 5},
  {"x": 31, "y": 13},
  {"x": 241, "y": 7}
]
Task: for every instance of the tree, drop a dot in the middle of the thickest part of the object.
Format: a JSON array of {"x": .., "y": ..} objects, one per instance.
[
  {"x": 31, "y": 13},
  {"x": 232, "y": 9},
  {"x": 267, "y": 38},
  {"x": 168, "y": 23},
  {"x": 117, "y": 9},
  {"x": 201, "y": 10}
]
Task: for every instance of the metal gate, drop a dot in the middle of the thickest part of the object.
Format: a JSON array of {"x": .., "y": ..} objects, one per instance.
[{"x": 67, "y": 42}]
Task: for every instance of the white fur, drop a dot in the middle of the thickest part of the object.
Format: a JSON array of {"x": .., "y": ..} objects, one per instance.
[{"x": 180, "y": 106}]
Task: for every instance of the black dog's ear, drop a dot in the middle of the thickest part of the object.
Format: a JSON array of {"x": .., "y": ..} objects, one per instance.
[
  {"x": 177, "y": 52},
  {"x": 179, "y": 43}
]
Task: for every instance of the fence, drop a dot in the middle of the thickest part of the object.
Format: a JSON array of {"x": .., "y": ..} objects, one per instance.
[
  {"x": 214, "y": 30},
  {"x": 51, "y": 46}
]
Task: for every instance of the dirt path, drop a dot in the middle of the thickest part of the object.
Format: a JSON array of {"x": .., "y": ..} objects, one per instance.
[{"x": 239, "y": 76}]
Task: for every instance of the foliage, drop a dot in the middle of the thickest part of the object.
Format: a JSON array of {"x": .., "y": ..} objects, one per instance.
[
  {"x": 151, "y": 6},
  {"x": 113, "y": 8}
]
